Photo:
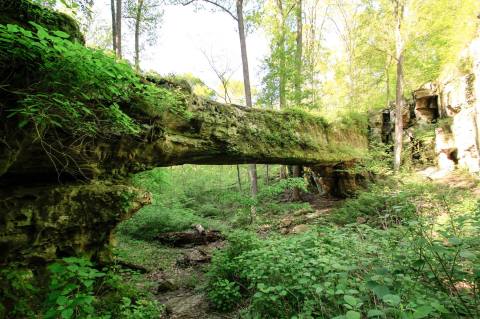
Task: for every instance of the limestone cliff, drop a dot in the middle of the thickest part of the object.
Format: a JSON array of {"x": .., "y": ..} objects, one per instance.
[{"x": 442, "y": 123}]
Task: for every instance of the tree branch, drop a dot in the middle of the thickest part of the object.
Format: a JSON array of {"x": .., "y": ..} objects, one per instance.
[{"x": 214, "y": 4}]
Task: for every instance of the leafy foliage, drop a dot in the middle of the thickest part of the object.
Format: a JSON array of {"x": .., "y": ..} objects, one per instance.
[
  {"x": 423, "y": 269},
  {"x": 75, "y": 289},
  {"x": 80, "y": 90}
]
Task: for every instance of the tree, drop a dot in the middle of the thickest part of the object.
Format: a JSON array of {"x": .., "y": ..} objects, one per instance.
[
  {"x": 144, "y": 17},
  {"x": 399, "y": 48},
  {"x": 118, "y": 29},
  {"x": 235, "y": 10},
  {"x": 114, "y": 26}
]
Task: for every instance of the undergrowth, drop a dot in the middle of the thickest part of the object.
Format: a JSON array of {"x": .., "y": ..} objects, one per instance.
[
  {"x": 414, "y": 254},
  {"x": 75, "y": 288}
]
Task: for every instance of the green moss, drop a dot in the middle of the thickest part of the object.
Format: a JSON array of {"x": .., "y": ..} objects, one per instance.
[{"x": 22, "y": 11}]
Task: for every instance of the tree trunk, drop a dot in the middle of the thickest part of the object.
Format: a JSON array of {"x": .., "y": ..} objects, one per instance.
[
  {"x": 138, "y": 19},
  {"x": 282, "y": 66},
  {"x": 118, "y": 21},
  {"x": 267, "y": 175},
  {"x": 298, "y": 82},
  {"x": 298, "y": 54},
  {"x": 239, "y": 179},
  {"x": 114, "y": 26},
  {"x": 387, "y": 81},
  {"x": 282, "y": 71},
  {"x": 252, "y": 168},
  {"x": 399, "y": 45}
]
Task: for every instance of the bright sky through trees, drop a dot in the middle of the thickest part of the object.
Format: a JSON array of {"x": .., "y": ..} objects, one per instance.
[{"x": 183, "y": 34}]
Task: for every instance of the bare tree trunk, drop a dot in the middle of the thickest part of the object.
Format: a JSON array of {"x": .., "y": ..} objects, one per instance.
[
  {"x": 399, "y": 10},
  {"x": 387, "y": 81},
  {"x": 298, "y": 82},
  {"x": 282, "y": 71},
  {"x": 298, "y": 54},
  {"x": 267, "y": 175},
  {"x": 138, "y": 19},
  {"x": 114, "y": 26},
  {"x": 239, "y": 179},
  {"x": 118, "y": 21},
  {"x": 252, "y": 168}
]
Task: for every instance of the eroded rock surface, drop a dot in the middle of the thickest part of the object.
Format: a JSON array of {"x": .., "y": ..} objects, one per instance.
[{"x": 42, "y": 223}]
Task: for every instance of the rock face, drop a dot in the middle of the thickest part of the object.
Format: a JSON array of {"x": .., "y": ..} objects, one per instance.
[
  {"x": 456, "y": 98},
  {"x": 443, "y": 126},
  {"x": 42, "y": 223}
]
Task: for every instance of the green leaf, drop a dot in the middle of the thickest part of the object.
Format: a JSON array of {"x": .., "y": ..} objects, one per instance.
[
  {"x": 67, "y": 313},
  {"x": 352, "y": 301},
  {"x": 392, "y": 300},
  {"x": 353, "y": 315},
  {"x": 375, "y": 313},
  {"x": 61, "y": 34},
  {"x": 467, "y": 254},
  {"x": 62, "y": 300},
  {"x": 422, "y": 312},
  {"x": 381, "y": 290}
]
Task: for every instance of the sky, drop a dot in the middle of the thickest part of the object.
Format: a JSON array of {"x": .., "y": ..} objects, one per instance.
[{"x": 184, "y": 34}]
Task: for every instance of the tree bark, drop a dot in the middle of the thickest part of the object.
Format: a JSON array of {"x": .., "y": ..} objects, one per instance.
[
  {"x": 298, "y": 54},
  {"x": 282, "y": 66},
  {"x": 118, "y": 21},
  {"x": 267, "y": 175},
  {"x": 252, "y": 168},
  {"x": 282, "y": 71},
  {"x": 239, "y": 179},
  {"x": 138, "y": 19},
  {"x": 298, "y": 81},
  {"x": 114, "y": 26},
  {"x": 399, "y": 45}
]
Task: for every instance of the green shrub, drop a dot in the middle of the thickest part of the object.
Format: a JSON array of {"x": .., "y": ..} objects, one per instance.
[
  {"x": 379, "y": 206},
  {"x": 19, "y": 291},
  {"x": 156, "y": 219},
  {"x": 224, "y": 294},
  {"x": 352, "y": 272},
  {"x": 74, "y": 289}
]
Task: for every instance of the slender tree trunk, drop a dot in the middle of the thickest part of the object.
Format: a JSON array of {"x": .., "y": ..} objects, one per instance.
[
  {"x": 298, "y": 54},
  {"x": 282, "y": 83},
  {"x": 387, "y": 81},
  {"x": 298, "y": 81},
  {"x": 118, "y": 20},
  {"x": 114, "y": 26},
  {"x": 239, "y": 180},
  {"x": 138, "y": 20},
  {"x": 267, "y": 175},
  {"x": 399, "y": 45},
  {"x": 252, "y": 168},
  {"x": 282, "y": 67}
]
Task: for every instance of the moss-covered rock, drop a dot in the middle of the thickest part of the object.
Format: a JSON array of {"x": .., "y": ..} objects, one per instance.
[
  {"x": 39, "y": 224},
  {"x": 21, "y": 12}
]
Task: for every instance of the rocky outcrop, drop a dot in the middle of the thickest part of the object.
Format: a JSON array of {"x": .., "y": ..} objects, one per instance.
[
  {"x": 39, "y": 224},
  {"x": 442, "y": 125},
  {"x": 454, "y": 104}
]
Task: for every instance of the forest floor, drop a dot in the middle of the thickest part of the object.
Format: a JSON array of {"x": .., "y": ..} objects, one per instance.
[{"x": 178, "y": 276}]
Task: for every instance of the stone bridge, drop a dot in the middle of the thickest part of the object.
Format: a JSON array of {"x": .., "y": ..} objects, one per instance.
[{"x": 63, "y": 195}]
